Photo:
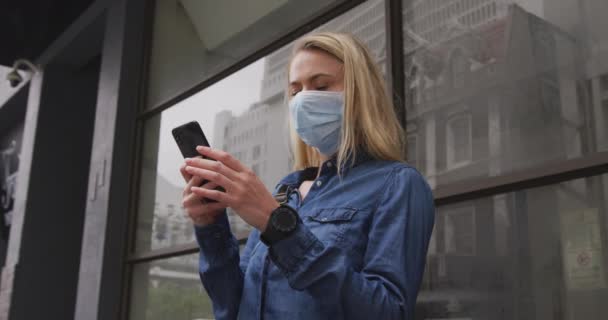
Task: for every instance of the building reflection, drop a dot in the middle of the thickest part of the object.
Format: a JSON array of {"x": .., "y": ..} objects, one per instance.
[
  {"x": 493, "y": 87},
  {"x": 491, "y": 90}
]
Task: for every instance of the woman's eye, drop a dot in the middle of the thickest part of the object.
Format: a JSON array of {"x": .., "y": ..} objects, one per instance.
[{"x": 322, "y": 88}]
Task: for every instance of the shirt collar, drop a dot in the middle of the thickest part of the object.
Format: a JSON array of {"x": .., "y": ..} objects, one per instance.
[{"x": 294, "y": 179}]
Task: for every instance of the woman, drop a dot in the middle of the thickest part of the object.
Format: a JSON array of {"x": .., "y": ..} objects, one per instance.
[{"x": 345, "y": 236}]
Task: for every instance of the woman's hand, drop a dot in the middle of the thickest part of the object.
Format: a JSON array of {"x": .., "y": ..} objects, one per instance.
[
  {"x": 245, "y": 192},
  {"x": 200, "y": 212}
]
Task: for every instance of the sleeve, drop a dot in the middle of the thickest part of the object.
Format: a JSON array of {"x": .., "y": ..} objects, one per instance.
[
  {"x": 387, "y": 285},
  {"x": 220, "y": 267}
]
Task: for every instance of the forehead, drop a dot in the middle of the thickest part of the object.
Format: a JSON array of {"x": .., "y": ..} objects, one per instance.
[{"x": 307, "y": 63}]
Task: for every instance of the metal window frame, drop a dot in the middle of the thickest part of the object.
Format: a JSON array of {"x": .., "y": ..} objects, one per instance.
[
  {"x": 395, "y": 86},
  {"x": 133, "y": 259},
  {"x": 395, "y": 59},
  {"x": 550, "y": 173},
  {"x": 308, "y": 25}
]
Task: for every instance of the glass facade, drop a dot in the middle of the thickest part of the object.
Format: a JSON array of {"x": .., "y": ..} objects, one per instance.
[
  {"x": 497, "y": 86},
  {"x": 532, "y": 254},
  {"x": 193, "y": 40},
  {"x": 243, "y": 114},
  {"x": 491, "y": 88},
  {"x": 169, "y": 289},
  {"x": 506, "y": 114}
]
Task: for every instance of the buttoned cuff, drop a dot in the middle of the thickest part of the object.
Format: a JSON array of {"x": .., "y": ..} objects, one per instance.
[
  {"x": 289, "y": 253},
  {"x": 214, "y": 235}
]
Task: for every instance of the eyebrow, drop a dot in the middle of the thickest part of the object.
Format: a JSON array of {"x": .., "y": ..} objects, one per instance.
[{"x": 313, "y": 78}]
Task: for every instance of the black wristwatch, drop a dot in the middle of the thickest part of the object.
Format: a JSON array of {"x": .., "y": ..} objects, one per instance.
[{"x": 282, "y": 222}]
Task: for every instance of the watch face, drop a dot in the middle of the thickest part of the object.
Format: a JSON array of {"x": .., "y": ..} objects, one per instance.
[{"x": 285, "y": 220}]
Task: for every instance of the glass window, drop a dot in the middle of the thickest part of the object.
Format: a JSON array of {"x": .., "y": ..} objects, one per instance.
[
  {"x": 412, "y": 149},
  {"x": 193, "y": 40},
  {"x": 244, "y": 114},
  {"x": 604, "y": 83},
  {"x": 169, "y": 289},
  {"x": 539, "y": 253},
  {"x": 459, "y": 141},
  {"x": 459, "y": 231},
  {"x": 532, "y": 73},
  {"x": 257, "y": 150},
  {"x": 10, "y": 148},
  {"x": 229, "y": 112},
  {"x": 6, "y": 90}
]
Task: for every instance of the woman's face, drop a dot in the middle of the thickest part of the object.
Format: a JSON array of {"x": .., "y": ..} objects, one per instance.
[{"x": 315, "y": 70}]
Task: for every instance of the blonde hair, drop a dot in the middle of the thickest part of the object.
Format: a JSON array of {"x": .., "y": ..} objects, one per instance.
[{"x": 370, "y": 122}]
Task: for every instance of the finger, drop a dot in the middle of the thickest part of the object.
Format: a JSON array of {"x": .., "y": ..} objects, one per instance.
[
  {"x": 223, "y": 157},
  {"x": 195, "y": 181},
  {"x": 195, "y": 206},
  {"x": 185, "y": 175},
  {"x": 215, "y": 177},
  {"x": 191, "y": 200},
  {"x": 211, "y": 194},
  {"x": 212, "y": 165},
  {"x": 209, "y": 185}
]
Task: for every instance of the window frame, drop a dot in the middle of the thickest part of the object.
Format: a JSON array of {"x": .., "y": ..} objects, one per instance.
[
  {"x": 550, "y": 173},
  {"x": 147, "y": 113}
]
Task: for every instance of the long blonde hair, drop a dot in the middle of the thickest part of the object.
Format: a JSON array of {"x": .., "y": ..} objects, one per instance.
[{"x": 370, "y": 122}]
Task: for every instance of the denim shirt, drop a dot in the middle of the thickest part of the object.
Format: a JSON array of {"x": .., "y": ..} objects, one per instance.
[{"x": 358, "y": 253}]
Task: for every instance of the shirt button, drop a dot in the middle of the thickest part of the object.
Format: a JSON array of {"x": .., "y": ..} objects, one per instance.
[
  {"x": 319, "y": 183},
  {"x": 329, "y": 164}
]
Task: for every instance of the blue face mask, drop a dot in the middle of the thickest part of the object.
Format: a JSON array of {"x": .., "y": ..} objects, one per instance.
[{"x": 317, "y": 117}]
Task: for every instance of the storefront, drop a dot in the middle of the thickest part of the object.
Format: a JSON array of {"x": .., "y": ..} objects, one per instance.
[{"x": 505, "y": 104}]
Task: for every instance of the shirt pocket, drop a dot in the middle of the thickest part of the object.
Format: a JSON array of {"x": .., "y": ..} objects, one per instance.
[{"x": 330, "y": 224}]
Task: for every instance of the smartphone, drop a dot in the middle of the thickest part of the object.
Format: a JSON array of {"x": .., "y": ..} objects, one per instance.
[{"x": 188, "y": 136}]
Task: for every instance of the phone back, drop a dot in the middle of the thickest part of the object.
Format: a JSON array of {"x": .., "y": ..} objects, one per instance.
[{"x": 188, "y": 136}]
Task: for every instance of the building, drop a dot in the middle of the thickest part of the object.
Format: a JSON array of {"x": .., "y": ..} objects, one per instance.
[
  {"x": 505, "y": 105},
  {"x": 251, "y": 136},
  {"x": 509, "y": 79}
]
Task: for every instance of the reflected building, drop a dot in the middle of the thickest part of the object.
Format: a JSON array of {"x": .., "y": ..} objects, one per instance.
[
  {"x": 170, "y": 226},
  {"x": 479, "y": 101},
  {"x": 260, "y": 136},
  {"x": 489, "y": 99},
  {"x": 253, "y": 136},
  {"x": 491, "y": 89}
]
